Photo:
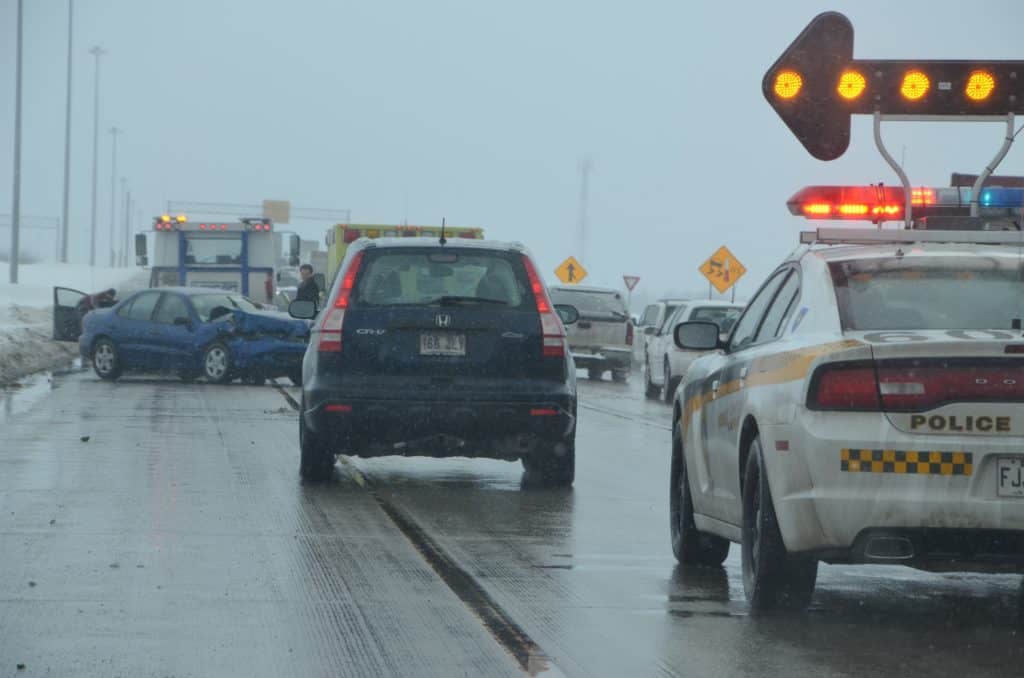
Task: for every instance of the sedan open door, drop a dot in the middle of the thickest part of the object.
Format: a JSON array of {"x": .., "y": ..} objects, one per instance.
[{"x": 67, "y": 318}]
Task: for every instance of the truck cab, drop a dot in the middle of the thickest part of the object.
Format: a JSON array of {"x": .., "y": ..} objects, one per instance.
[{"x": 238, "y": 256}]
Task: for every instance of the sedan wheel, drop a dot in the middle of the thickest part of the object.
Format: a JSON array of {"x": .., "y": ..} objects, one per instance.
[
  {"x": 217, "y": 364},
  {"x": 650, "y": 389},
  {"x": 689, "y": 545},
  {"x": 105, "y": 360},
  {"x": 666, "y": 383}
]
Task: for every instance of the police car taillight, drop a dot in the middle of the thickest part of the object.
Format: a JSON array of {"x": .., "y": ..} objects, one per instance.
[
  {"x": 844, "y": 386},
  {"x": 912, "y": 388},
  {"x": 334, "y": 318},
  {"x": 924, "y": 387},
  {"x": 551, "y": 326}
]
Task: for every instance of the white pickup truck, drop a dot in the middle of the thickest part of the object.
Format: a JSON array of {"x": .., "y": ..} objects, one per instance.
[{"x": 602, "y": 340}]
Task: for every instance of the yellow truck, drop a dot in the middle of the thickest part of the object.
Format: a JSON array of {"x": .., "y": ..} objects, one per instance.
[{"x": 340, "y": 236}]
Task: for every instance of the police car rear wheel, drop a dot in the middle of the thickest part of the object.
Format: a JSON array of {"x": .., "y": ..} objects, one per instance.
[
  {"x": 106, "y": 360},
  {"x": 772, "y": 578},
  {"x": 217, "y": 363},
  {"x": 690, "y": 545}
]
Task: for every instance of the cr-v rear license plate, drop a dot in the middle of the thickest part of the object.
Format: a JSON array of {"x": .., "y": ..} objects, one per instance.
[{"x": 442, "y": 343}]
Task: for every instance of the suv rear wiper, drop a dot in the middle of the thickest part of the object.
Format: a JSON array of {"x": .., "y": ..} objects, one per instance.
[{"x": 453, "y": 300}]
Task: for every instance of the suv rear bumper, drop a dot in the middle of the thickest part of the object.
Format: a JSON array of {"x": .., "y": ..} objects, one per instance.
[{"x": 467, "y": 427}]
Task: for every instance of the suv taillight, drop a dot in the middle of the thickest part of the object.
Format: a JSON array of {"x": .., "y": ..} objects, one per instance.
[
  {"x": 330, "y": 329},
  {"x": 550, "y": 324}
]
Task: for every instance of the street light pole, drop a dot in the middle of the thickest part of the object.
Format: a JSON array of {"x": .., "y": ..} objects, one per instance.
[
  {"x": 97, "y": 52},
  {"x": 63, "y": 255},
  {"x": 16, "y": 199},
  {"x": 127, "y": 223},
  {"x": 114, "y": 131}
]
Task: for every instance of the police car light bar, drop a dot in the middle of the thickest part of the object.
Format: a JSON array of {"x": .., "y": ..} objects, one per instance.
[
  {"x": 865, "y": 236},
  {"x": 886, "y": 203}
]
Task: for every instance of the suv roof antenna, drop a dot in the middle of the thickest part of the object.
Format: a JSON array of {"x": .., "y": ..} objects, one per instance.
[{"x": 443, "y": 239}]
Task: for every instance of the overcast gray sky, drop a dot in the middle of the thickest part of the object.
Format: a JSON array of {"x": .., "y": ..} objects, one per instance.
[{"x": 479, "y": 112}]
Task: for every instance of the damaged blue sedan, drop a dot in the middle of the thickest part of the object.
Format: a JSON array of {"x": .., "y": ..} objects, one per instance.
[{"x": 194, "y": 332}]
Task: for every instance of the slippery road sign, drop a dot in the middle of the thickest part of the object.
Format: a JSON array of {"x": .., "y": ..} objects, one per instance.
[
  {"x": 722, "y": 269},
  {"x": 571, "y": 272}
]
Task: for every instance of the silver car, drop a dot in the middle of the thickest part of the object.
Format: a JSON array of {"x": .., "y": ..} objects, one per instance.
[
  {"x": 602, "y": 340},
  {"x": 667, "y": 363}
]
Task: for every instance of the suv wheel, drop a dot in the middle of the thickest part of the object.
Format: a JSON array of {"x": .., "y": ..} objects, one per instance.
[
  {"x": 772, "y": 578},
  {"x": 316, "y": 462},
  {"x": 690, "y": 545},
  {"x": 594, "y": 373},
  {"x": 620, "y": 375},
  {"x": 552, "y": 468}
]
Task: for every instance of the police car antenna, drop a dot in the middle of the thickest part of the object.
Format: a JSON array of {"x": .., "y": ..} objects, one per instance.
[{"x": 443, "y": 239}]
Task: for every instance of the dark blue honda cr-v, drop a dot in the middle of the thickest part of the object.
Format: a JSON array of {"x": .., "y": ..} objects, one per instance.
[{"x": 443, "y": 349}]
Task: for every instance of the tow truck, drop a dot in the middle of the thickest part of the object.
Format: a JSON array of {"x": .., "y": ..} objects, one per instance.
[
  {"x": 238, "y": 256},
  {"x": 340, "y": 236}
]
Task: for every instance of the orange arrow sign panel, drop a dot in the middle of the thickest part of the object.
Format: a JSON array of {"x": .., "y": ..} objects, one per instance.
[
  {"x": 816, "y": 85},
  {"x": 722, "y": 269}
]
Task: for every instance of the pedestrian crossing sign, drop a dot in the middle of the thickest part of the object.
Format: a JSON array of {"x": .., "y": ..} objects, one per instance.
[{"x": 571, "y": 272}]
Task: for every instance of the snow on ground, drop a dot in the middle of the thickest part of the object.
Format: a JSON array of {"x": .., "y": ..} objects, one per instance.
[{"x": 26, "y": 320}]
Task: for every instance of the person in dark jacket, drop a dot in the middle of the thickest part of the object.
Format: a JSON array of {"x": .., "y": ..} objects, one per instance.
[{"x": 308, "y": 290}]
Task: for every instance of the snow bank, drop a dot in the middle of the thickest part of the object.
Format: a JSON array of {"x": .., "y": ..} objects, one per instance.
[{"x": 26, "y": 320}]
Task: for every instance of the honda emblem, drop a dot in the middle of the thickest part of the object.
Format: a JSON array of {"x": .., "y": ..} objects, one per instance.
[{"x": 443, "y": 320}]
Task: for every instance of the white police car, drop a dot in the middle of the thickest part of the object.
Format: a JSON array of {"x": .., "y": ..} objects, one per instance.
[{"x": 867, "y": 408}]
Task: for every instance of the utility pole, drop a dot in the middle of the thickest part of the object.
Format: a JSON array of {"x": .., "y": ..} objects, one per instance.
[
  {"x": 97, "y": 52},
  {"x": 16, "y": 198},
  {"x": 114, "y": 131},
  {"x": 63, "y": 255},
  {"x": 586, "y": 165}
]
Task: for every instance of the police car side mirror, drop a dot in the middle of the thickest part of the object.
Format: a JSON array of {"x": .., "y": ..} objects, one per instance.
[
  {"x": 302, "y": 309},
  {"x": 568, "y": 314},
  {"x": 697, "y": 336}
]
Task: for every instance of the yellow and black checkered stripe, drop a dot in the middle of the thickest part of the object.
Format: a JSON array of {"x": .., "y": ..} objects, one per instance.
[{"x": 907, "y": 462}]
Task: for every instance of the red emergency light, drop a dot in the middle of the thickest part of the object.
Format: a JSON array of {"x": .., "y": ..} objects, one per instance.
[{"x": 863, "y": 203}]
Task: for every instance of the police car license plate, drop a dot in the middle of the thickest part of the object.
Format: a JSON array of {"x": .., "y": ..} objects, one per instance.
[
  {"x": 442, "y": 343},
  {"x": 1010, "y": 476}
]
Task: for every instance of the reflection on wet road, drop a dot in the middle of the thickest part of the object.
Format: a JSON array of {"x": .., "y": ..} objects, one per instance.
[{"x": 154, "y": 528}]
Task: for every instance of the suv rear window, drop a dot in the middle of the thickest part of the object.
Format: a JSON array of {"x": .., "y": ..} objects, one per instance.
[
  {"x": 933, "y": 293},
  {"x": 590, "y": 301},
  {"x": 425, "y": 277}
]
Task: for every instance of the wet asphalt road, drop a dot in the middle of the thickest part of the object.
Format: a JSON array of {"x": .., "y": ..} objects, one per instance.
[{"x": 154, "y": 528}]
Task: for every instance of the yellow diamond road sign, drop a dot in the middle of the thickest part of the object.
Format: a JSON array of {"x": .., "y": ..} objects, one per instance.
[
  {"x": 722, "y": 269},
  {"x": 571, "y": 272}
]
